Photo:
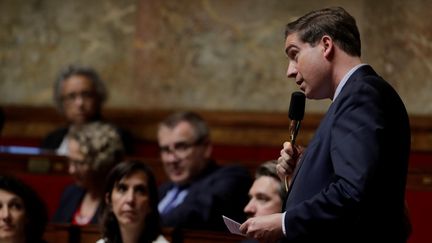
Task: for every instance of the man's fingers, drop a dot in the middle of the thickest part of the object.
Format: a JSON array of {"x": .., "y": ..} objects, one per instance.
[
  {"x": 282, "y": 171},
  {"x": 243, "y": 227},
  {"x": 283, "y": 162}
]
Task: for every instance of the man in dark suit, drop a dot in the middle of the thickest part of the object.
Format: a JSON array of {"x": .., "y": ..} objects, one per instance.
[
  {"x": 349, "y": 184},
  {"x": 199, "y": 191}
]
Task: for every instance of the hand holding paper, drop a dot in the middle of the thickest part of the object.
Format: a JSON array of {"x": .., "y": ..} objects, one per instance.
[{"x": 233, "y": 226}]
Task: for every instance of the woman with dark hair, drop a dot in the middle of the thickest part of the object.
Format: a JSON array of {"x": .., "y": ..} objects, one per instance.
[
  {"x": 23, "y": 215},
  {"x": 129, "y": 212}
]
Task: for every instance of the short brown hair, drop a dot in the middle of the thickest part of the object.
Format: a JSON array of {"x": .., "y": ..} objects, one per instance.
[
  {"x": 268, "y": 168},
  {"x": 335, "y": 22},
  {"x": 200, "y": 127}
]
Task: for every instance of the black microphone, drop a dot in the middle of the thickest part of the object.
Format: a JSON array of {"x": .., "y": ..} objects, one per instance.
[{"x": 296, "y": 113}]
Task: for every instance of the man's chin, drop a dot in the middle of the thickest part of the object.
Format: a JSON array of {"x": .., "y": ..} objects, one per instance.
[{"x": 179, "y": 180}]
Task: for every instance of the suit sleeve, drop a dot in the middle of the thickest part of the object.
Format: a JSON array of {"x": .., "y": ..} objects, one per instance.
[{"x": 54, "y": 139}]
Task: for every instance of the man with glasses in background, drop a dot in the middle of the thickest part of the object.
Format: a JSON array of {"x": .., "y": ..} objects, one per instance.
[
  {"x": 199, "y": 191},
  {"x": 79, "y": 94}
]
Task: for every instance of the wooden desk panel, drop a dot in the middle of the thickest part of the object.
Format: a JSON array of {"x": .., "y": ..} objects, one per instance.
[
  {"x": 56, "y": 233},
  {"x": 194, "y": 236},
  {"x": 228, "y": 127},
  {"x": 66, "y": 233}
]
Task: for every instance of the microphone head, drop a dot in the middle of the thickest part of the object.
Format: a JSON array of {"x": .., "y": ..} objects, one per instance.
[{"x": 297, "y": 106}]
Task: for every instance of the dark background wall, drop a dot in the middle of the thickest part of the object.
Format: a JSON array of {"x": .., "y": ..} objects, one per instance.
[{"x": 198, "y": 54}]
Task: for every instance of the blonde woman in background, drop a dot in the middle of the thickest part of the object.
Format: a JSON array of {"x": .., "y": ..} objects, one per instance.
[{"x": 94, "y": 149}]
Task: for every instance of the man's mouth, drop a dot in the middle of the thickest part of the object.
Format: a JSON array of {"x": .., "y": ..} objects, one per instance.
[
  {"x": 176, "y": 172},
  {"x": 175, "y": 169}
]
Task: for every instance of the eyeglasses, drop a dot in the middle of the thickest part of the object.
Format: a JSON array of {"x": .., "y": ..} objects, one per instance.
[
  {"x": 84, "y": 95},
  {"x": 180, "y": 149},
  {"x": 78, "y": 163}
]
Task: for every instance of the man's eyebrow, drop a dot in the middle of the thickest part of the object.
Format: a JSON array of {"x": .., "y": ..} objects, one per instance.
[
  {"x": 261, "y": 194},
  {"x": 287, "y": 49}
]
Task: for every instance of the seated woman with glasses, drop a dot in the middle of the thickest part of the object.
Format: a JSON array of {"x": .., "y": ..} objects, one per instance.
[
  {"x": 129, "y": 212},
  {"x": 94, "y": 149},
  {"x": 23, "y": 215}
]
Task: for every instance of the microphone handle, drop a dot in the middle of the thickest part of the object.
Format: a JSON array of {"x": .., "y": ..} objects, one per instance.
[{"x": 294, "y": 129}]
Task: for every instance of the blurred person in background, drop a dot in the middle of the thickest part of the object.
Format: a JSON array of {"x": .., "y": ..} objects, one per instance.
[
  {"x": 129, "y": 211},
  {"x": 79, "y": 94},
  {"x": 94, "y": 149},
  {"x": 23, "y": 215},
  {"x": 267, "y": 194},
  {"x": 199, "y": 191}
]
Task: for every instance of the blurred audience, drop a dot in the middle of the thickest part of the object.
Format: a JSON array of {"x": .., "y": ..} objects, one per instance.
[
  {"x": 267, "y": 194},
  {"x": 129, "y": 212},
  {"x": 23, "y": 215},
  {"x": 94, "y": 149},
  {"x": 199, "y": 191},
  {"x": 79, "y": 94}
]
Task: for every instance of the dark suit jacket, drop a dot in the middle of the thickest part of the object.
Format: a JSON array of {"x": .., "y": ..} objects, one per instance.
[
  {"x": 54, "y": 139},
  {"x": 350, "y": 184},
  {"x": 218, "y": 191},
  {"x": 69, "y": 203}
]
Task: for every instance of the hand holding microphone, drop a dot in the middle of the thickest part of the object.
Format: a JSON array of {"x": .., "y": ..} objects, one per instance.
[{"x": 290, "y": 153}]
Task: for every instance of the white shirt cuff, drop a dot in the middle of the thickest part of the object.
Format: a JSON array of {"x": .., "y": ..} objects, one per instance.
[{"x": 283, "y": 223}]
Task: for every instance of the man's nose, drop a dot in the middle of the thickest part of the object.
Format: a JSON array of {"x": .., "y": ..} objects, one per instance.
[
  {"x": 79, "y": 100},
  {"x": 171, "y": 157},
  {"x": 291, "y": 70},
  {"x": 250, "y": 208}
]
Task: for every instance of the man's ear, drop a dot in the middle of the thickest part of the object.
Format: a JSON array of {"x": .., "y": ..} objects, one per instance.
[
  {"x": 328, "y": 45},
  {"x": 208, "y": 150}
]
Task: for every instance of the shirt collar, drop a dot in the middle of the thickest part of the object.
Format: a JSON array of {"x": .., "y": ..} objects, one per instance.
[{"x": 345, "y": 79}]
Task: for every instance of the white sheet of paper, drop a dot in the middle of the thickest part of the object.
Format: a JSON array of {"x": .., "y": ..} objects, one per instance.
[{"x": 233, "y": 226}]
